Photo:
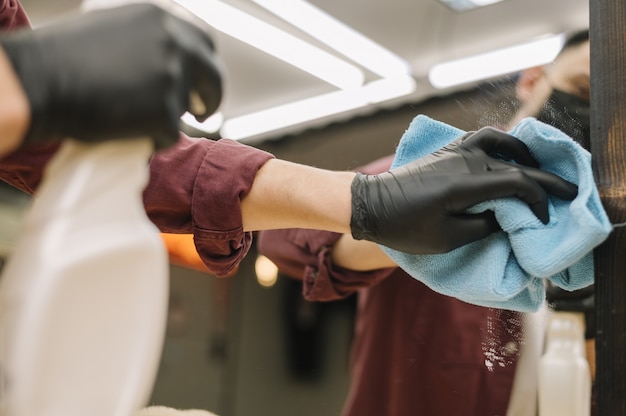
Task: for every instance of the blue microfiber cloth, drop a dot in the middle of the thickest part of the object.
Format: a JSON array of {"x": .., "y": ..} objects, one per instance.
[{"x": 507, "y": 269}]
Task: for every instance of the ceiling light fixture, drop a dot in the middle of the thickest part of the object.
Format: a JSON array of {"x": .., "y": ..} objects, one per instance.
[
  {"x": 464, "y": 5},
  {"x": 276, "y": 42},
  {"x": 395, "y": 81},
  {"x": 317, "y": 107},
  {"x": 338, "y": 36},
  {"x": 496, "y": 63}
]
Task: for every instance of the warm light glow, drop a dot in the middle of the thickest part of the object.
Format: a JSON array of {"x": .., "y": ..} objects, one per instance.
[
  {"x": 276, "y": 42},
  {"x": 334, "y": 33},
  {"x": 500, "y": 62},
  {"x": 266, "y": 271}
]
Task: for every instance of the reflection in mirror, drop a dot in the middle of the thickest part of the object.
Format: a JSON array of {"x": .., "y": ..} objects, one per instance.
[
  {"x": 379, "y": 342},
  {"x": 385, "y": 344}
]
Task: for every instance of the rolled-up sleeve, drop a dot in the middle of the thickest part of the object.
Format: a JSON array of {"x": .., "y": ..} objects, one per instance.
[
  {"x": 195, "y": 187},
  {"x": 306, "y": 255}
]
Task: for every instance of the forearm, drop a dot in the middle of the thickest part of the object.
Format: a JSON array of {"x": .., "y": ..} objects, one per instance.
[
  {"x": 14, "y": 108},
  {"x": 290, "y": 195},
  {"x": 359, "y": 255}
]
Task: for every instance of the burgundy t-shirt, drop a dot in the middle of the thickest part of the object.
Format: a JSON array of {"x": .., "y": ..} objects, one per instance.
[{"x": 415, "y": 352}]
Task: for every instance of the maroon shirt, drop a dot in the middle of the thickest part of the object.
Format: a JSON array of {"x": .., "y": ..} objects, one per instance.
[
  {"x": 194, "y": 188},
  {"x": 415, "y": 352}
]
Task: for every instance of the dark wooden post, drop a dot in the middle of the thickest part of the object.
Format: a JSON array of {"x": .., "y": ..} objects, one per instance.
[{"x": 608, "y": 146}]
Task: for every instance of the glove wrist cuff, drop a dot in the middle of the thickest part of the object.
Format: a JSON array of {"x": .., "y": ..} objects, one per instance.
[{"x": 359, "y": 216}]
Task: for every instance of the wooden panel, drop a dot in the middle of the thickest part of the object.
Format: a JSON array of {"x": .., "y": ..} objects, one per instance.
[{"x": 608, "y": 145}]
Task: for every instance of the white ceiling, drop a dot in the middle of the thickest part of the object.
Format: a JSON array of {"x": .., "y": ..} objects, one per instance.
[{"x": 423, "y": 32}]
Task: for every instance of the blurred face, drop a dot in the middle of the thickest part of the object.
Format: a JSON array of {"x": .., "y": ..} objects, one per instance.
[
  {"x": 571, "y": 71},
  {"x": 558, "y": 94}
]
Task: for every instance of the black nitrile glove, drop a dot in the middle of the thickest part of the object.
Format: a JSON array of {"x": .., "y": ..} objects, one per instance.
[
  {"x": 116, "y": 73},
  {"x": 420, "y": 207}
]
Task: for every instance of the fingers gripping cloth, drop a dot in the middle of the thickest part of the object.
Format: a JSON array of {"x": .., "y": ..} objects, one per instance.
[{"x": 507, "y": 270}]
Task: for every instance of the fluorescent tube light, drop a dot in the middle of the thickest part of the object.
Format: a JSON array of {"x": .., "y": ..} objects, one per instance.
[
  {"x": 388, "y": 88},
  {"x": 316, "y": 107},
  {"x": 276, "y": 42},
  {"x": 395, "y": 82},
  {"x": 500, "y": 62},
  {"x": 350, "y": 43},
  {"x": 290, "y": 114},
  {"x": 464, "y": 5}
]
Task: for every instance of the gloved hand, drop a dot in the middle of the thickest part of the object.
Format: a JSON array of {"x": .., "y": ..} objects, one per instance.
[
  {"x": 419, "y": 208},
  {"x": 115, "y": 73}
]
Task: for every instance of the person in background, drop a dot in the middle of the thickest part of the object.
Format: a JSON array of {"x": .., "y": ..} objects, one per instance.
[{"x": 415, "y": 351}]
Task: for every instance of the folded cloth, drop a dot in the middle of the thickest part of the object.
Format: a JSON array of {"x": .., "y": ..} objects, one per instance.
[{"x": 507, "y": 269}]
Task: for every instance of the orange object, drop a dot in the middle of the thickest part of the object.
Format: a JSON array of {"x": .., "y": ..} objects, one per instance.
[{"x": 182, "y": 251}]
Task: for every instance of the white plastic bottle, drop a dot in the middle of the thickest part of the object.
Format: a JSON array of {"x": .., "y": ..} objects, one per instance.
[
  {"x": 83, "y": 297},
  {"x": 564, "y": 375}
]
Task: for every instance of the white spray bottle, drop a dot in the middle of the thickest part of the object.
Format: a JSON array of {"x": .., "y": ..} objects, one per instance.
[
  {"x": 564, "y": 374},
  {"x": 83, "y": 297}
]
